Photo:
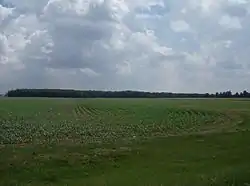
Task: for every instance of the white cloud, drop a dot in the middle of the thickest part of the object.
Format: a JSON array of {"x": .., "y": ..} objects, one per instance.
[
  {"x": 230, "y": 22},
  {"x": 89, "y": 72},
  {"x": 206, "y": 6},
  {"x": 4, "y": 12},
  {"x": 124, "y": 68},
  {"x": 180, "y": 26},
  {"x": 228, "y": 43},
  {"x": 175, "y": 45},
  {"x": 239, "y": 1}
]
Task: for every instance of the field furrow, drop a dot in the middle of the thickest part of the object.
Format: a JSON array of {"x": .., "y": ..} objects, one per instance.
[
  {"x": 90, "y": 122},
  {"x": 56, "y": 142}
]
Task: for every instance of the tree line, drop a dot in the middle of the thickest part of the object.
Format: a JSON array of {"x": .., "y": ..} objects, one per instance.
[{"x": 65, "y": 93}]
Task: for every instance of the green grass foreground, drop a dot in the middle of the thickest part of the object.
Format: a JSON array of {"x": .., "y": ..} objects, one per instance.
[{"x": 151, "y": 142}]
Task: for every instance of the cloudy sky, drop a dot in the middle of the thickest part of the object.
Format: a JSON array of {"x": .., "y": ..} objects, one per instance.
[{"x": 152, "y": 45}]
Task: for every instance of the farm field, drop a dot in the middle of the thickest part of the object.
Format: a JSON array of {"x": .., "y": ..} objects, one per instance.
[{"x": 124, "y": 142}]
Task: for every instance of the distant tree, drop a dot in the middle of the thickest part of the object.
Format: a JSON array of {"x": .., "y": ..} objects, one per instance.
[
  {"x": 115, "y": 94},
  {"x": 237, "y": 94},
  {"x": 245, "y": 93},
  {"x": 228, "y": 94}
]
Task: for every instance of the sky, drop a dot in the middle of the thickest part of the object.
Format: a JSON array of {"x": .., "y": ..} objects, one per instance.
[{"x": 149, "y": 45}]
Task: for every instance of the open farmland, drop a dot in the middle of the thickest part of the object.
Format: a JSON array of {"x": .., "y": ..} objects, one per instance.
[{"x": 124, "y": 141}]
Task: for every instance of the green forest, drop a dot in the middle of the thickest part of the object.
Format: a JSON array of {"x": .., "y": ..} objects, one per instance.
[{"x": 66, "y": 93}]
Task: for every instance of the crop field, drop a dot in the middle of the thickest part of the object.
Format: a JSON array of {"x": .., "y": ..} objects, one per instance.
[{"x": 124, "y": 142}]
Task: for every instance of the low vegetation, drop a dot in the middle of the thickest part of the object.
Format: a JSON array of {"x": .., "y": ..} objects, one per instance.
[{"x": 124, "y": 141}]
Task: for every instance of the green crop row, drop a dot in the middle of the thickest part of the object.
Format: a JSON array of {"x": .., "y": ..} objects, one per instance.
[{"x": 88, "y": 123}]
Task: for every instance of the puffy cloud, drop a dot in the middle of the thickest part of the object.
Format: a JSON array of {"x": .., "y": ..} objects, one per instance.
[
  {"x": 230, "y": 22},
  {"x": 237, "y": 11},
  {"x": 180, "y": 26},
  {"x": 4, "y": 13},
  {"x": 154, "y": 45}
]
